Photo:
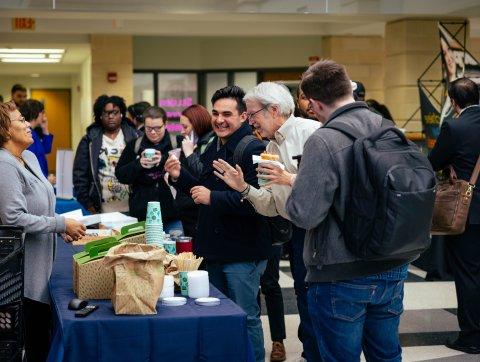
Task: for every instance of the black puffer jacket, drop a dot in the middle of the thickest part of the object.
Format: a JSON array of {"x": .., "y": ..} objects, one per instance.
[
  {"x": 146, "y": 184},
  {"x": 86, "y": 182}
]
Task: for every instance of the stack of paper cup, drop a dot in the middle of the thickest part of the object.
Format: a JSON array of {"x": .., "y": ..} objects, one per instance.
[
  {"x": 168, "y": 285},
  {"x": 198, "y": 284},
  {"x": 153, "y": 225}
]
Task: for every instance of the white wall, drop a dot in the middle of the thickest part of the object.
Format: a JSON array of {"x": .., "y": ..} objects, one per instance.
[{"x": 223, "y": 53}]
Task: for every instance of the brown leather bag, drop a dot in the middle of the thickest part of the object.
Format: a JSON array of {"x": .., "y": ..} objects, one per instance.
[{"x": 452, "y": 202}]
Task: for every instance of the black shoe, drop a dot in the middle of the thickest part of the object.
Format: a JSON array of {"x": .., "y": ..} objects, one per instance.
[{"x": 459, "y": 346}]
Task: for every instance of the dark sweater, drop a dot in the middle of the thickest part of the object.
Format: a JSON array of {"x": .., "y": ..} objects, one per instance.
[{"x": 146, "y": 184}]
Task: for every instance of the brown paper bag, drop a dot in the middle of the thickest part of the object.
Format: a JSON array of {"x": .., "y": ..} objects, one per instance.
[{"x": 139, "y": 272}]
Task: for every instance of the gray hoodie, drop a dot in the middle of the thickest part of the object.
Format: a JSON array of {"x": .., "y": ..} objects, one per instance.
[{"x": 323, "y": 183}]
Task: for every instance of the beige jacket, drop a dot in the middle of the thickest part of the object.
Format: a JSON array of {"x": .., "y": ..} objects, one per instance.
[{"x": 289, "y": 141}]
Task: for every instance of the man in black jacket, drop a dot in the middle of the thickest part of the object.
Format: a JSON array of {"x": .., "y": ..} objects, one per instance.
[
  {"x": 234, "y": 240},
  {"x": 145, "y": 174},
  {"x": 458, "y": 145},
  {"x": 96, "y": 187}
]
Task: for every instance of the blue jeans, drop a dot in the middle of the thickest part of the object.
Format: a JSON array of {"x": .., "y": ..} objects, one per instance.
[
  {"x": 240, "y": 282},
  {"x": 356, "y": 314},
  {"x": 306, "y": 334}
]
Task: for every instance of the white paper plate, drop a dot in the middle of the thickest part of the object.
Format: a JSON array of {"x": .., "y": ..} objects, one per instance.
[
  {"x": 174, "y": 301},
  {"x": 207, "y": 302}
]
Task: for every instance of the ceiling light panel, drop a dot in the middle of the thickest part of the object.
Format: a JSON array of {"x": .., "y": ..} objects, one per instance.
[
  {"x": 25, "y": 56},
  {"x": 29, "y": 60},
  {"x": 32, "y": 51}
]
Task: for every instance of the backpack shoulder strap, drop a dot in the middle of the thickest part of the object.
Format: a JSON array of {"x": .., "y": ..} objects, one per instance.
[
  {"x": 344, "y": 128},
  {"x": 241, "y": 147},
  {"x": 353, "y": 133},
  {"x": 138, "y": 143}
]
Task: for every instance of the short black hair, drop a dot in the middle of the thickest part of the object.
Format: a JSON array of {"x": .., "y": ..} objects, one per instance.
[
  {"x": 233, "y": 92},
  {"x": 102, "y": 101},
  {"x": 31, "y": 109},
  {"x": 137, "y": 109},
  {"x": 18, "y": 87},
  {"x": 464, "y": 92},
  {"x": 155, "y": 112}
]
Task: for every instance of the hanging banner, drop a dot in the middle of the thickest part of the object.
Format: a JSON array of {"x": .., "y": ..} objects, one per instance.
[
  {"x": 457, "y": 62},
  {"x": 430, "y": 118}
]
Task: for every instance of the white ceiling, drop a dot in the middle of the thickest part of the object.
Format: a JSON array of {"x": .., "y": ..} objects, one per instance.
[{"x": 69, "y": 24}]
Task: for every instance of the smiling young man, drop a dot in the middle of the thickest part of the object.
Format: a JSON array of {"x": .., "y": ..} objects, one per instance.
[
  {"x": 270, "y": 108},
  {"x": 232, "y": 238}
]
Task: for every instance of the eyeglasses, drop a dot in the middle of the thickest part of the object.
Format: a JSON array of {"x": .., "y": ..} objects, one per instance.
[
  {"x": 107, "y": 114},
  {"x": 252, "y": 115},
  {"x": 154, "y": 129}
]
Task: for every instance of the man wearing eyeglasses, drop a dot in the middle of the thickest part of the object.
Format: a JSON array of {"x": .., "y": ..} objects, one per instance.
[
  {"x": 96, "y": 186},
  {"x": 144, "y": 171}
]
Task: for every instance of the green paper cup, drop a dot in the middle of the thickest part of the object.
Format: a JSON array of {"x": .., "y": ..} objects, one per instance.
[{"x": 183, "y": 283}]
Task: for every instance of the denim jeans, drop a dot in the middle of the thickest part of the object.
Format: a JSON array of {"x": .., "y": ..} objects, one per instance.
[
  {"x": 362, "y": 313},
  {"x": 240, "y": 282},
  {"x": 306, "y": 334}
]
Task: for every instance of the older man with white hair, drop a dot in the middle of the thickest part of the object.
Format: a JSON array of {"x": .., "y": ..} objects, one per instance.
[{"x": 270, "y": 108}]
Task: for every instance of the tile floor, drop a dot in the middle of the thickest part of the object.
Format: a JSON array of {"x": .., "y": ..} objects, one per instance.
[{"x": 429, "y": 319}]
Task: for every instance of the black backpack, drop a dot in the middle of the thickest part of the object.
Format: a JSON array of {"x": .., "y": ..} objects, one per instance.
[
  {"x": 280, "y": 228},
  {"x": 388, "y": 212}
]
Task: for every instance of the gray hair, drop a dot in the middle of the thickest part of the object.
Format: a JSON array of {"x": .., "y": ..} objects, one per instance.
[{"x": 272, "y": 93}]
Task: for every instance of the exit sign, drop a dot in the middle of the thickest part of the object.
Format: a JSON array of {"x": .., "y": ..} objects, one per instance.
[{"x": 23, "y": 24}]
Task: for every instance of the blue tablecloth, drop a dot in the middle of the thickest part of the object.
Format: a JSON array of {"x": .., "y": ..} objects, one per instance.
[
  {"x": 185, "y": 333},
  {"x": 63, "y": 205}
]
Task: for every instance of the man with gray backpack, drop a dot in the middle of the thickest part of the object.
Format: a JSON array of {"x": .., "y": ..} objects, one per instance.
[{"x": 365, "y": 194}]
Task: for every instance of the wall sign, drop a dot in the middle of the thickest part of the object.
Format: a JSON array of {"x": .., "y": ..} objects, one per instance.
[{"x": 19, "y": 24}]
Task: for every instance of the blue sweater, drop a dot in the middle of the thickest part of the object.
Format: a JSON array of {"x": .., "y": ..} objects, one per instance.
[{"x": 41, "y": 147}]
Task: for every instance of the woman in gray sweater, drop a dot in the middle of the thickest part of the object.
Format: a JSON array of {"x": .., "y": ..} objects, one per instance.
[{"x": 27, "y": 200}]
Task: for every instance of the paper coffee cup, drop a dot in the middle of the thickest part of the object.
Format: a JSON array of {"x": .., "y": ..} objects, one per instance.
[{"x": 149, "y": 153}]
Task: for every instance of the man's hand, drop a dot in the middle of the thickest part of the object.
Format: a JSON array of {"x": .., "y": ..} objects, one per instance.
[
  {"x": 275, "y": 175},
  {"x": 173, "y": 167},
  {"x": 233, "y": 177},
  {"x": 200, "y": 195}
]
